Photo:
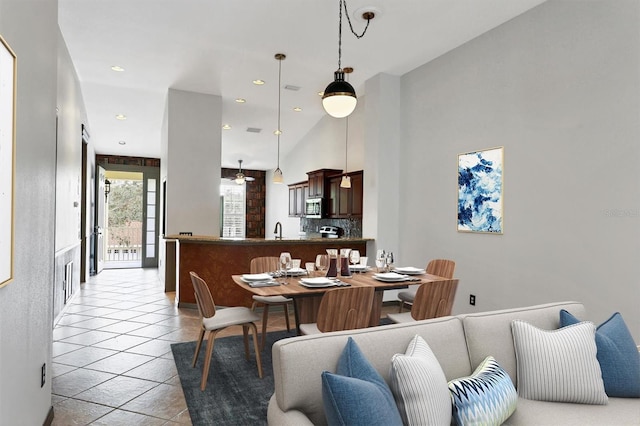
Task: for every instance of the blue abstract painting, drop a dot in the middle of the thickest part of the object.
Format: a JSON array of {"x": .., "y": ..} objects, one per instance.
[{"x": 480, "y": 191}]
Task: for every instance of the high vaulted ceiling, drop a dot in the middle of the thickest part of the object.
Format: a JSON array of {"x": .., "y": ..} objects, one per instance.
[{"x": 220, "y": 46}]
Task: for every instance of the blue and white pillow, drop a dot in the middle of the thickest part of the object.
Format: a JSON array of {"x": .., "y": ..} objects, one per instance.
[
  {"x": 357, "y": 394},
  {"x": 617, "y": 354},
  {"x": 487, "y": 397}
]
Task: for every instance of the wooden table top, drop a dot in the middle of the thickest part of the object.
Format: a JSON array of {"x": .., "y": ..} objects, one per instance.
[{"x": 295, "y": 289}]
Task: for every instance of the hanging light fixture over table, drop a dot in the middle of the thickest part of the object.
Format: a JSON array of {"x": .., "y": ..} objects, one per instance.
[
  {"x": 277, "y": 174},
  {"x": 346, "y": 179},
  {"x": 339, "y": 98}
]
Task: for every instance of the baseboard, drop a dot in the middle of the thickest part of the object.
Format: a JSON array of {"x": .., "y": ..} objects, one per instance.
[{"x": 49, "y": 420}]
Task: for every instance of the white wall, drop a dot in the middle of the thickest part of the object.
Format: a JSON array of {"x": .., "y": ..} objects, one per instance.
[
  {"x": 193, "y": 140},
  {"x": 558, "y": 88},
  {"x": 30, "y": 27}
]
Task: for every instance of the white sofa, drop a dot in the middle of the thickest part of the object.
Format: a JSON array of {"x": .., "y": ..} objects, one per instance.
[{"x": 460, "y": 343}]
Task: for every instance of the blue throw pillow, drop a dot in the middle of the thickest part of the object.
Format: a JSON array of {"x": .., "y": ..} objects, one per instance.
[
  {"x": 357, "y": 394},
  {"x": 617, "y": 354}
]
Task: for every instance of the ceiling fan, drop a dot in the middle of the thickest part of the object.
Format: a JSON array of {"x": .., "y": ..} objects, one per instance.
[{"x": 240, "y": 177}]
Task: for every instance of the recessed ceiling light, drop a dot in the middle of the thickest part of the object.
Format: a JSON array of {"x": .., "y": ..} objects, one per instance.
[
  {"x": 241, "y": 100},
  {"x": 297, "y": 109},
  {"x": 121, "y": 117},
  {"x": 258, "y": 82},
  {"x": 226, "y": 127},
  {"x": 122, "y": 143},
  {"x": 117, "y": 68}
]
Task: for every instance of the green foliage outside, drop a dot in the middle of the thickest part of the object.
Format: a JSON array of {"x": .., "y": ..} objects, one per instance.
[{"x": 125, "y": 208}]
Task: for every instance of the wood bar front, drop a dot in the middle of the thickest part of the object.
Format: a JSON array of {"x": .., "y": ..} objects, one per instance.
[{"x": 216, "y": 259}]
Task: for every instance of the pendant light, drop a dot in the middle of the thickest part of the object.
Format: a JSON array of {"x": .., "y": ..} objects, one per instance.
[
  {"x": 339, "y": 98},
  {"x": 346, "y": 179},
  {"x": 277, "y": 174}
]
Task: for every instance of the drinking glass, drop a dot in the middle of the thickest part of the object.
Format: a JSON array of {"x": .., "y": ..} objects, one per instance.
[
  {"x": 381, "y": 260},
  {"x": 355, "y": 257},
  {"x": 322, "y": 262},
  {"x": 285, "y": 264}
]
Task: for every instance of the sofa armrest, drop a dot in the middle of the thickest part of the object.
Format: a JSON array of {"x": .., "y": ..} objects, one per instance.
[{"x": 277, "y": 417}]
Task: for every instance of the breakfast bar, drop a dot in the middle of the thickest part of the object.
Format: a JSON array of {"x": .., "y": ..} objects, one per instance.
[{"x": 217, "y": 259}]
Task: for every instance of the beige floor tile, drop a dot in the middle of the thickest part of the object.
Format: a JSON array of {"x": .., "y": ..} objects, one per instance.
[
  {"x": 152, "y": 318},
  {"x": 125, "y": 326},
  {"x": 122, "y": 342},
  {"x": 60, "y": 348},
  {"x": 63, "y": 332},
  {"x": 127, "y": 418},
  {"x": 116, "y": 391},
  {"x": 152, "y": 331},
  {"x": 158, "y": 370},
  {"x": 75, "y": 412},
  {"x": 183, "y": 418},
  {"x": 76, "y": 381},
  {"x": 185, "y": 334},
  {"x": 84, "y": 356},
  {"x": 155, "y": 347},
  {"x": 119, "y": 363},
  {"x": 60, "y": 369},
  {"x": 91, "y": 337},
  {"x": 163, "y": 401}
]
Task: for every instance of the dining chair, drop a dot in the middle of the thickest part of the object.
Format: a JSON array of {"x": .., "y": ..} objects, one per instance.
[
  {"x": 215, "y": 320},
  {"x": 440, "y": 267},
  {"x": 345, "y": 308},
  {"x": 432, "y": 300},
  {"x": 268, "y": 264}
]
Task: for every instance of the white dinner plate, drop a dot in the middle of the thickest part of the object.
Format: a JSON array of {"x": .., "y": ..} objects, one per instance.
[
  {"x": 409, "y": 270},
  {"x": 256, "y": 277},
  {"x": 317, "y": 282},
  {"x": 296, "y": 271},
  {"x": 390, "y": 277}
]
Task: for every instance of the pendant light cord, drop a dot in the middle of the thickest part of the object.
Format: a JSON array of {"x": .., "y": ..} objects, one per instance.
[
  {"x": 279, "y": 94},
  {"x": 346, "y": 145},
  {"x": 346, "y": 12}
]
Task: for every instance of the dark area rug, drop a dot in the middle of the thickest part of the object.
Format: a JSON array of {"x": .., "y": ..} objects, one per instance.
[{"x": 235, "y": 395}]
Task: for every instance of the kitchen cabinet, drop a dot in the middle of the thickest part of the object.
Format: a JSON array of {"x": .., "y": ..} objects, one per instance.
[
  {"x": 345, "y": 202},
  {"x": 319, "y": 183},
  {"x": 297, "y": 198}
]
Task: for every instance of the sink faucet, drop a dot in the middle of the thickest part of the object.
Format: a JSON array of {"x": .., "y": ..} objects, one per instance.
[{"x": 275, "y": 231}]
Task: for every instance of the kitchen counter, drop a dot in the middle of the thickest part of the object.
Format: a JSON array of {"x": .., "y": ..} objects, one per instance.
[{"x": 216, "y": 259}]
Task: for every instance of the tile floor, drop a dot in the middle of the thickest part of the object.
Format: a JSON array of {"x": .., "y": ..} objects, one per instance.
[{"x": 112, "y": 361}]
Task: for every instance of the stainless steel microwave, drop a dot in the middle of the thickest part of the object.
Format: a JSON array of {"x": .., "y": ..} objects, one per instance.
[{"x": 314, "y": 208}]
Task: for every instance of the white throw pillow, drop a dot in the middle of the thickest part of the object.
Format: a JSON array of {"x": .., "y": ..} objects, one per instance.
[
  {"x": 558, "y": 365},
  {"x": 419, "y": 386}
]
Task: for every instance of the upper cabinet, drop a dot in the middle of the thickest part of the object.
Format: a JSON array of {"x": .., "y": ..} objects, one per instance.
[
  {"x": 345, "y": 202},
  {"x": 318, "y": 182},
  {"x": 297, "y": 198}
]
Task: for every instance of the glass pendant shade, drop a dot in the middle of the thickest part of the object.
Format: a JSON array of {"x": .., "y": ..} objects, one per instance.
[
  {"x": 339, "y": 99},
  {"x": 240, "y": 179},
  {"x": 345, "y": 182},
  {"x": 277, "y": 176}
]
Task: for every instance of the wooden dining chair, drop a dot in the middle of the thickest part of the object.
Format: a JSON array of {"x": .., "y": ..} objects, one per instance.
[
  {"x": 432, "y": 300},
  {"x": 215, "y": 320},
  {"x": 268, "y": 264},
  {"x": 440, "y": 267},
  {"x": 342, "y": 309}
]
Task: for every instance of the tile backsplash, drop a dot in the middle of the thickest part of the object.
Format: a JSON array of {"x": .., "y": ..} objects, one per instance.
[{"x": 352, "y": 227}]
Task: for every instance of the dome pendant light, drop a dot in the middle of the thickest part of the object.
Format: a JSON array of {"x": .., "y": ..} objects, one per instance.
[
  {"x": 277, "y": 174},
  {"x": 339, "y": 98}
]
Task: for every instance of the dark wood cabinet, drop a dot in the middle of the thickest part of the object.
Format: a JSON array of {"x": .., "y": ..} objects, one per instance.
[
  {"x": 345, "y": 202},
  {"x": 297, "y": 198},
  {"x": 319, "y": 182}
]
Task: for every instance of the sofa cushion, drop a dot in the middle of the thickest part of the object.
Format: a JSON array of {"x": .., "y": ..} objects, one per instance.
[
  {"x": 357, "y": 394},
  {"x": 617, "y": 354},
  {"x": 558, "y": 365},
  {"x": 487, "y": 397},
  {"x": 420, "y": 386}
]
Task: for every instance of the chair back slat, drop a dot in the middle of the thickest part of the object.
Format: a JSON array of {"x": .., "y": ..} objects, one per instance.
[
  {"x": 263, "y": 264},
  {"x": 434, "y": 299},
  {"x": 345, "y": 309},
  {"x": 441, "y": 267},
  {"x": 206, "y": 306}
]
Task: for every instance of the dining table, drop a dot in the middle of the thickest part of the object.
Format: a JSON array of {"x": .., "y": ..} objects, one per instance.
[{"x": 306, "y": 300}]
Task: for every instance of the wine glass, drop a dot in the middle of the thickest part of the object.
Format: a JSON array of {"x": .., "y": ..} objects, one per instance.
[
  {"x": 322, "y": 262},
  {"x": 285, "y": 264},
  {"x": 355, "y": 257},
  {"x": 381, "y": 257}
]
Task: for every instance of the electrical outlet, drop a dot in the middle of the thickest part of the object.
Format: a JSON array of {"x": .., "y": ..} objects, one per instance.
[
  {"x": 472, "y": 299},
  {"x": 43, "y": 374}
]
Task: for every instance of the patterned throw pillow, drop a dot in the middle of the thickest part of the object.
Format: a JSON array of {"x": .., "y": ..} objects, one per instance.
[
  {"x": 420, "y": 386},
  {"x": 487, "y": 397},
  {"x": 558, "y": 365},
  {"x": 617, "y": 354},
  {"x": 357, "y": 394}
]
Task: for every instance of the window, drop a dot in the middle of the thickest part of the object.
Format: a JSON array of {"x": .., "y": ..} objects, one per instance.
[{"x": 233, "y": 210}]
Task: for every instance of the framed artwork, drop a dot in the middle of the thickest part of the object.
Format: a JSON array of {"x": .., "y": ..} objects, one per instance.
[
  {"x": 7, "y": 158},
  {"x": 480, "y": 183}
]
